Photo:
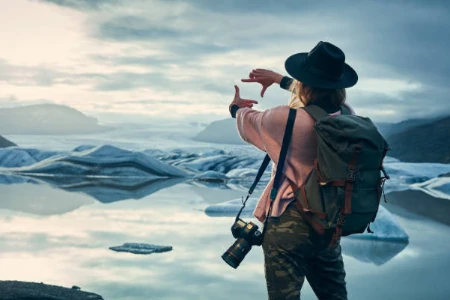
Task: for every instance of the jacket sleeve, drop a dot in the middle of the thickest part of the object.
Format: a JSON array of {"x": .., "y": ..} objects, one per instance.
[
  {"x": 249, "y": 123},
  {"x": 265, "y": 130}
]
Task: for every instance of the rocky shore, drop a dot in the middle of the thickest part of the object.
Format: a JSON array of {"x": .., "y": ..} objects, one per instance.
[{"x": 20, "y": 290}]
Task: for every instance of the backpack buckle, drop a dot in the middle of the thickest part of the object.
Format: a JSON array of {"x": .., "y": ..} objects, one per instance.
[
  {"x": 341, "y": 220},
  {"x": 351, "y": 175}
]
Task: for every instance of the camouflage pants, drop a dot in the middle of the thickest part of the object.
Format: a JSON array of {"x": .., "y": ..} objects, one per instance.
[{"x": 292, "y": 251}]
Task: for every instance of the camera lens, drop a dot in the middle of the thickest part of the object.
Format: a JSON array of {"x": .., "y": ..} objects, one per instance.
[{"x": 237, "y": 252}]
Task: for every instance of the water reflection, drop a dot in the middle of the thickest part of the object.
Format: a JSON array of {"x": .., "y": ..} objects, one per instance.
[
  {"x": 372, "y": 251},
  {"x": 103, "y": 189},
  {"x": 72, "y": 249}
]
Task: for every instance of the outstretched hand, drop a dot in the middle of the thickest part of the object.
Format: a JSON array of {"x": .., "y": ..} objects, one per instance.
[
  {"x": 264, "y": 77},
  {"x": 242, "y": 102}
]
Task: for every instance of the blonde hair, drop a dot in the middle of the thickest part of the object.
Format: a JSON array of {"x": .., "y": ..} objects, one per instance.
[{"x": 303, "y": 95}]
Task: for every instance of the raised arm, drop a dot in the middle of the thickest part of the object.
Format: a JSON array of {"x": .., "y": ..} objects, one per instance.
[{"x": 266, "y": 78}]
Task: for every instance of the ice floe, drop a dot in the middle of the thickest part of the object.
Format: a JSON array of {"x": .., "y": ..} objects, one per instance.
[
  {"x": 137, "y": 248},
  {"x": 103, "y": 160}
]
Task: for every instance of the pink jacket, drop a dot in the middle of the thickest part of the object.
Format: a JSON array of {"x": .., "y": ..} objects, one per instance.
[{"x": 265, "y": 130}]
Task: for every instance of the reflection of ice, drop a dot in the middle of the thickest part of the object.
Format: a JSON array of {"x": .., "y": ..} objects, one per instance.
[
  {"x": 374, "y": 251},
  {"x": 211, "y": 176},
  {"x": 39, "y": 199},
  {"x": 420, "y": 202},
  {"x": 137, "y": 248},
  {"x": 385, "y": 226},
  {"x": 103, "y": 189}
]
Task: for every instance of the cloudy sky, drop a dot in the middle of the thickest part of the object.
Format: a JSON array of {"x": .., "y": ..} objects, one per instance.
[{"x": 160, "y": 60}]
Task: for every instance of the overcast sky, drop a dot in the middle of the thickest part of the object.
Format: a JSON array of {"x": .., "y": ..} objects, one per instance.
[{"x": 136, "y": 60}]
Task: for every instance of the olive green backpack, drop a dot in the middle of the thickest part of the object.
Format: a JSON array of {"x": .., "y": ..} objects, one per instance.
[{"x": 342, "y": 193}]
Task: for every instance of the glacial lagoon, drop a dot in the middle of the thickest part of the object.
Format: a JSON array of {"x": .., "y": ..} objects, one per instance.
[{"x": 59, "y": 232}]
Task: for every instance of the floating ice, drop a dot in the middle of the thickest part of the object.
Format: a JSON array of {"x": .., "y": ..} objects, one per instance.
[
  {"x": 436, "y": 187},
  {"x": 211, "y": 176},
  {"x": 231, "y": 208},
  {"x": 240, "y": 165},
  {"x": 405, "y": 175},
  {"x": 103, "y": 160},
  {"x": 385, "y": 227},
  {"x": 137, "y": 248}
]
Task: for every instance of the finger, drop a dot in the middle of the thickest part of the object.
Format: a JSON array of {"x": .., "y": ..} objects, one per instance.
[
  {"x": 260, "y": 71},
  {"x": 263, "y": 91},
  {"x": 249, "y": 101},
  {"x": 249, "y": 80},
  {"x": 236, "y": 89}
]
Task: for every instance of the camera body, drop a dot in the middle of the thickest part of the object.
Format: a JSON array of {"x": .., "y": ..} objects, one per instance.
[{"x": 246, "y": 235}]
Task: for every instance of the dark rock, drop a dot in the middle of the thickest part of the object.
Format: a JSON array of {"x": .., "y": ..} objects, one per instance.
[
  {"x": 422, "y": 143},
  {"x": 20, "y": 290},
  {"x": 6, "y": 143}
]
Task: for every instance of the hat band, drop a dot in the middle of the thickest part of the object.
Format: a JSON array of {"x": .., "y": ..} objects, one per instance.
[{"x": 316, "y": 71}]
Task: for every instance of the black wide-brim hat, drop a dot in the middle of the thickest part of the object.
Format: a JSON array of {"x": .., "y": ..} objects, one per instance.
[{"x": 323, "y": 67}]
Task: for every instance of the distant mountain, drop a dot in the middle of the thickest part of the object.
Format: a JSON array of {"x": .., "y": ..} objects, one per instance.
[
  {"x": 5, "y": 143},
  {"x": 47, "y": 119},
  {"x": 423, "y": 143},
  {"x": 388, "y": 129},
  {"x": 222, "y": 132}
]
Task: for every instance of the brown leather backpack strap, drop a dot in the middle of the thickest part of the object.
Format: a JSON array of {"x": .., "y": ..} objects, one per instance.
[
  {"x": 351, "y": 177},
  {"x": 339, "y": 225},
  {"x": 306, "y": 209}
]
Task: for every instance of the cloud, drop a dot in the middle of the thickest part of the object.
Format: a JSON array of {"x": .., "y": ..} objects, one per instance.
[
  {"x": 130, "y": 28},
  {"x": 83, "y": 4},
  {"x": 203, "y": 48}
]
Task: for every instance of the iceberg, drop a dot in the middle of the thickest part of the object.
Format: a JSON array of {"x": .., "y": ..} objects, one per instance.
[
  {"x": 103, "y": 160},
  {"x": 386, "y": 228},
  {"x": 137, "y": 248}
]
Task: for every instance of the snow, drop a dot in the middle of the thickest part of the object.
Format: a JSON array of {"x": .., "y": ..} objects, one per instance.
[{"x": 137, "y": 248}]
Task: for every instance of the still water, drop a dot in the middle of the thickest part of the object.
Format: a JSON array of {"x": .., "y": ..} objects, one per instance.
[{"x": 58, "y": 237}]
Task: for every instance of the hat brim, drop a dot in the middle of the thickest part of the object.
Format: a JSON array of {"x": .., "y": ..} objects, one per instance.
[{"x": 296, "y": 67}]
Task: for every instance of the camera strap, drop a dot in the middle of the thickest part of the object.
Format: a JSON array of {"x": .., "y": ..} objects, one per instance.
[{"x": 284, "y": 148}]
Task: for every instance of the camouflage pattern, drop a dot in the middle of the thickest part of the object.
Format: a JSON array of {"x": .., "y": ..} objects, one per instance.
[{"x": 292, "y": 251}]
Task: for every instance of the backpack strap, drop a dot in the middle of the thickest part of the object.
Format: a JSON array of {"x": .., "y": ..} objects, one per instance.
[
  {"x": 345, "y": 110},
  {"x": 316, "y": 112},
  {"x": 284, "y": 148}
]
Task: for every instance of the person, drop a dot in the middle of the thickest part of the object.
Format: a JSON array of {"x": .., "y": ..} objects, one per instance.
[{"x": 292, "y": 249}]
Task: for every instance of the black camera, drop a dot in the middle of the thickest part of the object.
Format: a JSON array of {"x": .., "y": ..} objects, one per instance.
[{"x": 246, "y": 235}]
